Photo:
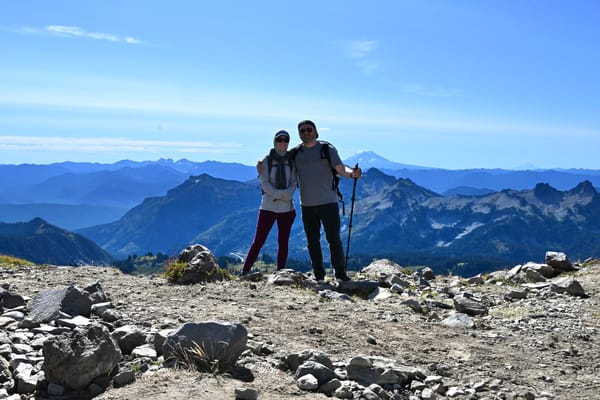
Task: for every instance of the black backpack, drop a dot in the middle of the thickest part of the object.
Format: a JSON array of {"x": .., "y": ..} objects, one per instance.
[{"x": 335, "y": 181}]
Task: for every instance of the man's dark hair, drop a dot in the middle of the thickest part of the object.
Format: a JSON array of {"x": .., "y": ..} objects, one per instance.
[{"x": 309, "y": 122}]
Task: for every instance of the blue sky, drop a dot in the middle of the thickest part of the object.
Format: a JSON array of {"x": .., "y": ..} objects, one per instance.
[{"x": 451, "y": 84}]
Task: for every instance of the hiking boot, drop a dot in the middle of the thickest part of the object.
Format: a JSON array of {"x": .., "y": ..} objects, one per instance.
[{"x": 344, "y": 278}]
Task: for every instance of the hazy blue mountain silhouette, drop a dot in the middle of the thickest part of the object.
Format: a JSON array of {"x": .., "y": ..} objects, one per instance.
[
  {"x": 76, "y": 195},
  {"x": 67, "y": 216},
  {"x": 100, "y": 193},
  {"x": 124, "y": 188},
  {"x": 44, "y": 243},
  {"x": 467, "y": 180}
]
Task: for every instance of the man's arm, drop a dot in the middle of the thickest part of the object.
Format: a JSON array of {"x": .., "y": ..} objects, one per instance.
[{"x": 348, "y": 172}]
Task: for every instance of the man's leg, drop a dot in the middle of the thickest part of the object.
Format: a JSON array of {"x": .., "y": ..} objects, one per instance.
[
  {"x": 312, "y": 229},
  {"x": 330, "y": 214}
]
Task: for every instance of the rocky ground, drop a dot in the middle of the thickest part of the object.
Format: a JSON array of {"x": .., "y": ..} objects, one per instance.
[{"x": 545, "y": 346}]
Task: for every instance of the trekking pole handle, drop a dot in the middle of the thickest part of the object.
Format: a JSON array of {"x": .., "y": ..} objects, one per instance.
[
  {"x": 354, "y": 187},
  {"x": 355, "y": 168}
]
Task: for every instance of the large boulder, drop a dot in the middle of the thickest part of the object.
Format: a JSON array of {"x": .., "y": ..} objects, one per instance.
[
  {"x": 547, "y": 271},
  {"x": 294, "y": 360},
  {"x": 559, "y": 261},
  {"x": 361, "y": 288},
  {"x": 382, "y": 266},
  {"x": 459, "y": 320},
  {"x": 470, "y": 306},
  {"x": 96, "y": 293},
  {"x": 52, "y": 304},
  {"x": 367, "y": 370},
  {"x": 322, "y": 372},
  {"x": 286, "y": 277},
  {"x": 128, "y": 337},
  {"x": 190, "y": 252},
  {"x": 75, "y": 359},
  {"x": 208, "y": 341},
  {"x": 10, "y": 300},
  {"x": 569, "y": 286},
  {"x": 202, "y": 266}
]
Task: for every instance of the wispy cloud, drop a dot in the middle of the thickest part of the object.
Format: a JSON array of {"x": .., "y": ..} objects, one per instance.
[
  {"x": 359, "y": 48},
  {"x": 131, "y": 40},
  {"x": 361, "y": 52},
  {"x": 111, "y": 145},
  {"x": 77, "y": 32}
]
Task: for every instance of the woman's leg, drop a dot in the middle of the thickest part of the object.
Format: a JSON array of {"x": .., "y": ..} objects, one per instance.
[
  {"x": 265, "y": 222},
  {"x": 284, "y": 227}
]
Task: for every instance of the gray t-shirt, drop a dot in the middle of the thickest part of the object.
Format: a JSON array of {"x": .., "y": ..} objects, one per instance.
[{"x": 314, "y": 175}]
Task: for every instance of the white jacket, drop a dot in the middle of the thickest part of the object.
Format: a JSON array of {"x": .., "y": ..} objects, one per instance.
[{"x": 277, "y": 200}]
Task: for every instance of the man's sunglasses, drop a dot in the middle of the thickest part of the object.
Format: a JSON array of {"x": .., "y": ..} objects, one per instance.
[
  {"x": 282, "y": 139},
  {"x": 307, "y": 130}
]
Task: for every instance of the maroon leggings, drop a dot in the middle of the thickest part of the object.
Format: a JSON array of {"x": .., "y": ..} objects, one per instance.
[{"x": 266, "y": 219}]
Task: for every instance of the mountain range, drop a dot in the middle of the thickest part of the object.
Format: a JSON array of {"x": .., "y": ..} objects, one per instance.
[
  {"x": 169, "y": 223},
  {"x": 485, "y": 216},
  {"x": 78, "y": 195},
  {"x": 393, "y": 218}
]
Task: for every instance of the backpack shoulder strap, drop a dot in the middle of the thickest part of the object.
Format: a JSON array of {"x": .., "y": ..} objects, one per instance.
[
  {"x": 270, "y": 161},
  {"x": 336, "y": 177},
  {"x": 292, "y": 155},
  {"x": 290, "y": 160},
  {"x": 294, "y": 151},
  {"x": 325, "y": 151}
]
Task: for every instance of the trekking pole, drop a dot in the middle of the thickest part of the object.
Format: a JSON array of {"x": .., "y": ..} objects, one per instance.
[{"x": 350, "y": 222}]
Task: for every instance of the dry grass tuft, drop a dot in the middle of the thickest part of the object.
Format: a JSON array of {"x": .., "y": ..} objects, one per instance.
[{"x": 197, "y": 357}]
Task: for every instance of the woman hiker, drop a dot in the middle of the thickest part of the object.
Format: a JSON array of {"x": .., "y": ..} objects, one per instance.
[{"x": 278, "y": 181}]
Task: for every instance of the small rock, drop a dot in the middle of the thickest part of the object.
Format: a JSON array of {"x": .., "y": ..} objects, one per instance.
[
  {"x": 307, "y": 382},
  {"x": 124, "y": 378},
  {"x": 246, "y": 394}
]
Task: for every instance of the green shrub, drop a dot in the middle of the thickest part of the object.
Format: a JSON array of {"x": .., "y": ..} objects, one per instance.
[{"x": 174, "y": 271}]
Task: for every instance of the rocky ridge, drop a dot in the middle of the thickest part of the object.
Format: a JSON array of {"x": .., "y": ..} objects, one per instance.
[{"x": 525, "y": 333}]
